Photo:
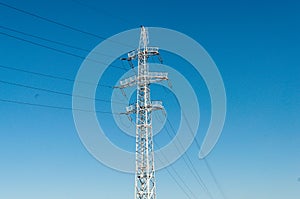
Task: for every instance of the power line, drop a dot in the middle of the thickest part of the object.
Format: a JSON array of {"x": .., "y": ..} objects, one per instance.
[
  {"x": 178, "y": 176},
  {"x": 52, "y": 41},
  {"x": 179, "y": 185},
  {"x": 215, "y": 179},
  {"x": 57, "y": 50},
  {"x": 189, "y": 162},
  {"x": 206, "y": 163},
  {"x": 59, "y": 24},
  {"x": 53, "y": 107},
  {"x": 188, "y": 188},
  {"x": 205, "y": 160},
  {"x": 58, "y": 92},
  {"x": 101, "y": 11},
  {"x": 191, "y": 166},
  {"x": 51, "y": 76}
]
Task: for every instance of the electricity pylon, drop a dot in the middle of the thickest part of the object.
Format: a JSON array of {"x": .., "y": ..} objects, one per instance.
[{"x": 145, "y": 186}]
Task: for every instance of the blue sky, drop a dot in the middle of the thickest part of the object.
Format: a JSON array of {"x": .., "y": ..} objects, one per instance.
[{"x": 255, "y": 45}]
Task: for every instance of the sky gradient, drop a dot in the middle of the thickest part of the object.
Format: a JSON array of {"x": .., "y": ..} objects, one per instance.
[{"x": 256, "y": 46}]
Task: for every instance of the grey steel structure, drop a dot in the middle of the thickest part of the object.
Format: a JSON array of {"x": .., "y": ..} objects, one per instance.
[{"x": 145, "y": 171}]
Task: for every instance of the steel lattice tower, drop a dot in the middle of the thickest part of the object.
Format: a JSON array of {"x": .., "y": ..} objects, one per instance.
[{"x": 145, "y": 171}]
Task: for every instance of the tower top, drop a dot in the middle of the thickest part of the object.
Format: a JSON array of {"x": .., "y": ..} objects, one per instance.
[{"x": 144, "y": 39}]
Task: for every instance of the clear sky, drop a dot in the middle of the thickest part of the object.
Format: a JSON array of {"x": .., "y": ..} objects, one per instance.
[{"x": 256, "y": 46}]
